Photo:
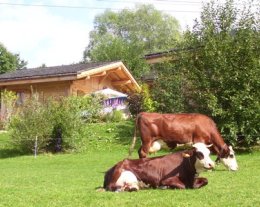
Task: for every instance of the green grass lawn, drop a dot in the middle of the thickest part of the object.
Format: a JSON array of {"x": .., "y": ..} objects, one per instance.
[{"x": 72, "y": 179}]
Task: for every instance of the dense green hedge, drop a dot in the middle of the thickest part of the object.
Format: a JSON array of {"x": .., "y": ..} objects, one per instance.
[{"x": 217, "y": 71}]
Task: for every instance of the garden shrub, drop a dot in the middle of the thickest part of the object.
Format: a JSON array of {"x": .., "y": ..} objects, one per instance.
[
  {"x": 114, "y": 116},
  {"x": 8, "y": 101},
  {"x": 141, "y": 101},
  {"x": 134, "y": 103},
  {"x": 42, "y": 120},
  {"x": 90, "y": 107},
  {"x": 149, "y": 105},
  {"x": 65, "y": 116},
  {"x": 33, "y": 121}
]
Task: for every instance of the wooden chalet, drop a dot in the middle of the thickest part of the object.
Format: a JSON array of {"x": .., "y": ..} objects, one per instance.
[
  {"x": 158, "y": 57},
  {"x": 66, "y": 80}
]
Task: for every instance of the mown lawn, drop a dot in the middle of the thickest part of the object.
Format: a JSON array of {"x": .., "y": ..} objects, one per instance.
[{"x": 72, "y": 180}]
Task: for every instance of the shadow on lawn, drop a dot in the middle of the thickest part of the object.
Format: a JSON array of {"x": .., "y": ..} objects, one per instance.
[
  {"x": 9, "y": 153},
  {"x": 246, "y": 150},
  {"x": 125, "y": 133}
]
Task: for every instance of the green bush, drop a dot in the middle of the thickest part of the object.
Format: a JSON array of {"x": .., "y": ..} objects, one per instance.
[
  {"x": 141, "y": 101},
  {"x": 114, "y": 116},
  {"x": 8, "y": 99},
  {"x": 134, "y": 103},
  {"x": 44, "y": 120},
  {"x": 65, "y": 116},
  {"x": 89, "y": 107},
  {"x": 33, "y": 122},
  {"x": 149, "y": 104}
]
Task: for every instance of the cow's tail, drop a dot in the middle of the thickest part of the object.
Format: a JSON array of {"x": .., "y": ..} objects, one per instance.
[{"x": 131, "y": 149}]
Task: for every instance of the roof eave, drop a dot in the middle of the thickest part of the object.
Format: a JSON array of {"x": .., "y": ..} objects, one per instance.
[
  {"x": 87, "y": 73},
  {"x": 134, "y": 85},
  {"x": 39, "y": 79}
]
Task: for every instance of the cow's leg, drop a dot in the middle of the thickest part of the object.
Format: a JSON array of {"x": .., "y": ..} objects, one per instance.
[
  {"x": 141, "y": 153},
  {"x": 200, "y": 182},
  {"x": 173, "y": 182},
  {"x": 144, "y": 149},
  {"x": 215, "y": 150}
]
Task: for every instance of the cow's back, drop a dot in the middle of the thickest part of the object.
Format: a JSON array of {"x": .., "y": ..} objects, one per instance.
[
  {"x": 179, "y": 128},
  {"x": 156, "y": 168}
]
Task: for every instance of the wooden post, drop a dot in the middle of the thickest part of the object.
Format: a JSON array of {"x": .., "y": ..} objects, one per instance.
[{"x": 35, "y": 147}]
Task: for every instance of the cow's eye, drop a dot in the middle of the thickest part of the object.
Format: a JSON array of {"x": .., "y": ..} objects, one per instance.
[
  {"x": 231, "y": 156},
  {"x": 200, "y": 155}
]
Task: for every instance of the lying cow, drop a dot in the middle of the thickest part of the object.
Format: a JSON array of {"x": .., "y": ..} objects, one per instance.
[
  {"x": 159, "y": 130},
  {"x": 178, "y": 170}
]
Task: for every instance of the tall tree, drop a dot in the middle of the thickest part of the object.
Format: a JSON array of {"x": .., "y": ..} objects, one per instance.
[
  {"x": 9, "y": 61},
  {"x": 130, "y": 34},
  {"x": 220, "y": 76}
]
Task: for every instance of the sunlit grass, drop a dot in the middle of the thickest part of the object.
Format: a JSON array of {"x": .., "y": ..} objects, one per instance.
[{"x": 72, "y": 180}]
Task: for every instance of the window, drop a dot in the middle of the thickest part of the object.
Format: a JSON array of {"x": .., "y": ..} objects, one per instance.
[{"x": 20, "y": 98}]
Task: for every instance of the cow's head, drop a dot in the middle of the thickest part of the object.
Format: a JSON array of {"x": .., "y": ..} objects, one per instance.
[
  {"x": 127, "y": 181},
  {"x": 203, "y": 160},
  {"x": 227, "y": 157}
]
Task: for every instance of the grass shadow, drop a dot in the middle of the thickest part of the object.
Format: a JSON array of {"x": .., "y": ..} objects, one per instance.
[
  {"x": 125, "y": 132},
  {"x": 246, "y": 150},
  {"x": 9, "y": 153}
]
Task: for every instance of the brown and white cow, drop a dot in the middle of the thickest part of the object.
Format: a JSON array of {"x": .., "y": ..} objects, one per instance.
[
  {"x": 177, "y": 170},
  {"x": 159, "y": 130}
]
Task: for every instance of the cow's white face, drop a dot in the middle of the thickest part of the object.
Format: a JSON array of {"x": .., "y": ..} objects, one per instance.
[
  {"x": 127, "y": 181},
  {"x": 230, "y": 162},
  {"x": 203, "y": 160}
]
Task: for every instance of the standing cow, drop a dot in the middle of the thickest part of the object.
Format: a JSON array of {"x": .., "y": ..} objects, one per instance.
[
  {"x": 177, "y": 170},
  {"x": 159, "y": 130}
]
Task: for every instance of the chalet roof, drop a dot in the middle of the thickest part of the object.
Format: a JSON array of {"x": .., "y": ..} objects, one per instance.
[
  {"x": 54, "y": 71},
  {"x": 160, "y": 54},
  {"x": 116, "y": 70}
]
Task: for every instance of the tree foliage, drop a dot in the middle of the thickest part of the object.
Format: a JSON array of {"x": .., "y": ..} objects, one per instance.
[
  {"x": 9, "y": 61},
  {"x": 167, "y": 90},
  {"x": 130, "y": 34},
  {"x": 220, "y": 73}
]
